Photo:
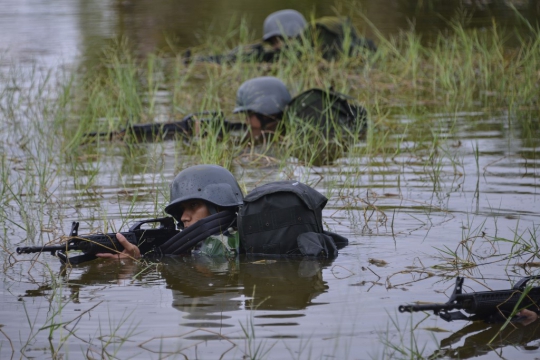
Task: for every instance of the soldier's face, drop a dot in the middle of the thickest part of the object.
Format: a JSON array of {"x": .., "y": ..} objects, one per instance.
[
  {"x": 254, "y": 124},
  {"x": 276, "y": 42},
  {"x": 193, "y": 211}
]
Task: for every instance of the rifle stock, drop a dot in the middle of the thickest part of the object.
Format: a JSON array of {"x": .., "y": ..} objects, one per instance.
[
  {"x": 484, "y": 304},
  {"x": 146, "y": 239}
]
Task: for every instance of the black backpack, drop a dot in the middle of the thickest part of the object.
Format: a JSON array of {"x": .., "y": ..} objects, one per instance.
[
  {"x": 329, "y": 34},
  {"x": 285, "y": 218},
  {"x": 328, "y": 109}
]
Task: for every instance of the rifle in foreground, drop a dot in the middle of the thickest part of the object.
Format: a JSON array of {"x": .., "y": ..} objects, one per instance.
[
  {"x": 147, "y": 239},
  {"x": 485, "y": 304}
]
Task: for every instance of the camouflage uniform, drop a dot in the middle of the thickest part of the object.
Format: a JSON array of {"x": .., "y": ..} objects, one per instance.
[{"x": 227, "y": 245}]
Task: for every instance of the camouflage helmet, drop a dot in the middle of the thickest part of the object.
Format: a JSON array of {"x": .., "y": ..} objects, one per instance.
[
  {"x": 264, "y": 95},
  {"x": 210, "y": 183},
  {"x": 286, "y": 23}
]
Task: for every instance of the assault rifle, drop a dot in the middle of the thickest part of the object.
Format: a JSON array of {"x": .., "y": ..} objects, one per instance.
[
  {"x": 147, "y": 239},
  {"x": 245, "y": 53},
  {"x": 161, "y": 130},
  {"x": 483, "y": 305}
]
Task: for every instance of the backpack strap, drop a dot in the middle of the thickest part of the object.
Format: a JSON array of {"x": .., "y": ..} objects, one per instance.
[{"x": 202, "y": 229}]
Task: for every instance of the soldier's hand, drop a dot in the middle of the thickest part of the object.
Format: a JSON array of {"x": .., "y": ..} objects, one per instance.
[
  {"x": 526, "y": 317},
  {"x": 130, "y": 251}
]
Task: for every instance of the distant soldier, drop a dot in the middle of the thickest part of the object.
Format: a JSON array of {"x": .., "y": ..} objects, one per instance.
[
  {"x": 266, "y": 101},
  {"x": 324, "y": 120},
  {"x": 332, "y": 36},
  {"x": 263, "y": 100}
]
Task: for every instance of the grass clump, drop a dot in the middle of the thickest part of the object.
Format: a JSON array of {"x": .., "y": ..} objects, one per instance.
[{"x": 458, "y": 72}]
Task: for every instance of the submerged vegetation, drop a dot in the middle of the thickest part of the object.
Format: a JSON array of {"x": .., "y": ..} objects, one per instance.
[{"x": 431, "y": 108}]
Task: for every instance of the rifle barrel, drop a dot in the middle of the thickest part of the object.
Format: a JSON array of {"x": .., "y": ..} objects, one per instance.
[
  {"x": 50, "y": 248},
  {"x": 427, "y": 307}
]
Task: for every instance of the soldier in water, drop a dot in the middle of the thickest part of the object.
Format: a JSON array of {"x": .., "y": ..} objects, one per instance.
[{"x": 286, "y": 29}]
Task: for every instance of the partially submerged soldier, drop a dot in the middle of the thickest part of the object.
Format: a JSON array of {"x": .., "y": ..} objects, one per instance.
[
  {"x": 287, "y": 29},
  {"x": 331, "y": 35},
  {"x": 263, "y": 100},
  {"x": 197, "y": 193},
  {"x": 278, "y": 218},
  {"x": 266, "y": 101},
  {"x": 269, "y": 106}
]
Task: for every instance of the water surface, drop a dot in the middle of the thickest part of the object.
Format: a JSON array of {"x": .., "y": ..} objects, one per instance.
[{"x": 405, "y": 217}]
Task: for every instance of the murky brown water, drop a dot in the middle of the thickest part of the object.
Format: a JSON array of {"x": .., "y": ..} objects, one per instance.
[
  {"x": 67, "y": 31},
  {"x": 305, "y": 309}
]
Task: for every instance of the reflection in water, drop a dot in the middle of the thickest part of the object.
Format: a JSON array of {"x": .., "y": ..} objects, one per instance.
[
  {"x": 480, "y": 338},
  {"x": 41, "y": 291},
  {"x": 97, "y": 273},
  {"x": 206, "y": 287}
]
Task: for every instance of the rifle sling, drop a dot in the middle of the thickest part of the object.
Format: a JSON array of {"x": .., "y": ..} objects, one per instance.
[{"x": 211, "y": 225}]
